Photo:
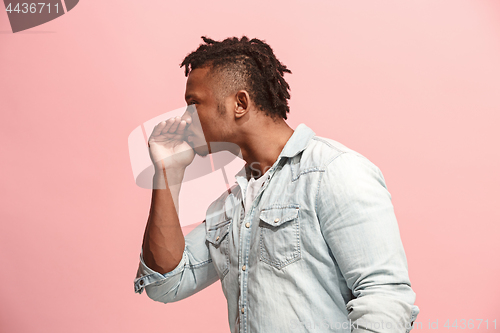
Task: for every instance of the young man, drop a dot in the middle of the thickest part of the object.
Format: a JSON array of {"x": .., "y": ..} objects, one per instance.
[{"x": 306, "y": 241}]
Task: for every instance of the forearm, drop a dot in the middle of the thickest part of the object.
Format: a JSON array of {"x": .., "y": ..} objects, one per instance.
[
  {"x": 382, "y": 313},
  {"x": 163, "y": 242},
  {"x": 194, "y": 272}
]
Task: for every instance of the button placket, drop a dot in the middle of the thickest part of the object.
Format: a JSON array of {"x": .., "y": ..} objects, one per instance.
[{"x": 245, "y": 249}]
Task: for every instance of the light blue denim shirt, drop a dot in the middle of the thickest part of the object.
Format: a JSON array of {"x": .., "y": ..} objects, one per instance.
[{"x": 319, "y": 250}]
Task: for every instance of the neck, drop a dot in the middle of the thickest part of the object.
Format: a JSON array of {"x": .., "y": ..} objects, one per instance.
[{"x": 261, "y": 143}]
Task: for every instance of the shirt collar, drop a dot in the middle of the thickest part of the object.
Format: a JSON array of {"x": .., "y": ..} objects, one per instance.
[{"x": 295, "y": 144}]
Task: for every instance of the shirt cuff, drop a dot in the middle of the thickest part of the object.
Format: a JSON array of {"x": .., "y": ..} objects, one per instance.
[
  {"x": 147, "y": 276},
  {"x": 378, "y": 313}
]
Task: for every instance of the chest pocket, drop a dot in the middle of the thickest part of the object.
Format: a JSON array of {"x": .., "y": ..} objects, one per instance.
[
  {"x": 279, "y": 235},
  {"x": 217, "y": 237}
]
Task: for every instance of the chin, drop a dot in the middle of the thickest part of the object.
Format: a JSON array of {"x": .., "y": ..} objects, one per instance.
[{"x": 202, "y": 151}]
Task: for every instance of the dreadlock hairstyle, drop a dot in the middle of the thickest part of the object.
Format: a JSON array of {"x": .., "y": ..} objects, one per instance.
[{"x": 252, "y": 66}]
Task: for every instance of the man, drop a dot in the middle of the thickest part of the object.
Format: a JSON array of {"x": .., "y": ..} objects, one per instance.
[{"x": 306, "y": 241}]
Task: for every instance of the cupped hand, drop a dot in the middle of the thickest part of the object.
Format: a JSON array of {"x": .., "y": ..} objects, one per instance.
[{"x": 167, "y": 144}]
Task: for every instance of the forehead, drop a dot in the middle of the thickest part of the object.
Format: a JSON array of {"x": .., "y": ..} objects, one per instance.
[{"x": 197, "y": 84}]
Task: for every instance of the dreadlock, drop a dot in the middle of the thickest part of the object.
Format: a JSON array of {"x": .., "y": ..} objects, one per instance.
[{"x": 254, "y": 62}]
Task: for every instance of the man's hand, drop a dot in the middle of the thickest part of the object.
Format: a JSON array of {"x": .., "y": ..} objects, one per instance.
[{"x": 167, "y": 143}]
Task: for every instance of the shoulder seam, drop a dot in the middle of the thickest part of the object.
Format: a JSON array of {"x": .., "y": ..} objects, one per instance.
[{"x": 322, "y": 140}]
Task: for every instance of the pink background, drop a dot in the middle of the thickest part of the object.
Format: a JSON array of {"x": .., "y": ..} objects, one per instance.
[{"x": 412, "y": 85}]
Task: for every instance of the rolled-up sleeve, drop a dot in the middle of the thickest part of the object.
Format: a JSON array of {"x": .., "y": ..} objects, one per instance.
[
  {"x": 358, "y": 222},
  {"x": 194, "y": 272}
]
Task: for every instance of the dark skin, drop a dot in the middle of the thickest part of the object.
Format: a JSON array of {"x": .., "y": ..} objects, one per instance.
[{"x": 260, "y": 138}]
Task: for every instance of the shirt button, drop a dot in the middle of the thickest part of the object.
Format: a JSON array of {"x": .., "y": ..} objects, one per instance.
[
  {"x": 244, "y": 267},
  {"x": 242, "y": 310},
  {"x": 217, "y": 238},
  {"x": 276, "y": 220},
  {"x": 247, "y": 224}
]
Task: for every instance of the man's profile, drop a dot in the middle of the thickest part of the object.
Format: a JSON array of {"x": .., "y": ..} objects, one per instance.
[{"x": 305, "y": 241}]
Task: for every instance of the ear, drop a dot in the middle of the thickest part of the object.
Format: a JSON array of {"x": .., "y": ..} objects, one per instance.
[{"x": 242, "y": 103}]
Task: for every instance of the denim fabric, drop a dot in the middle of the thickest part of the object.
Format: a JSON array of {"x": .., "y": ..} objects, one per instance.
[{"x": 319, "y": 250}]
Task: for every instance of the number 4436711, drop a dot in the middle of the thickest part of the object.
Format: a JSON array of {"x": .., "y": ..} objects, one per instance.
[
  {"x": 471, "y": 324},
  {"x": 31, "y": 7}
]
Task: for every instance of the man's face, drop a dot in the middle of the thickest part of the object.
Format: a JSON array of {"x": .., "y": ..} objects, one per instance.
[{"x": 212, "y": 116}]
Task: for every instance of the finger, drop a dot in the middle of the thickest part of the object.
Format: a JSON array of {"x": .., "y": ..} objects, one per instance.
[
  {"x": 188, "y": 119},
  {"x": 175, "y": 125},
  {"x": 182, "y": 126},
  {"x": 158, "y": 128},
  {"x": 168, "y": 124}
]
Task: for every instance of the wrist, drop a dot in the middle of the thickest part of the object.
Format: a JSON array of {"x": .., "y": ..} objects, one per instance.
[{"x": 174, "y": 175}]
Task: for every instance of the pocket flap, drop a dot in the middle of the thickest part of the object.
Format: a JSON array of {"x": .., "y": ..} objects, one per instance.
[
  {"x": 216, "y": 233},
  {"x": 277, "y": 216}
]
